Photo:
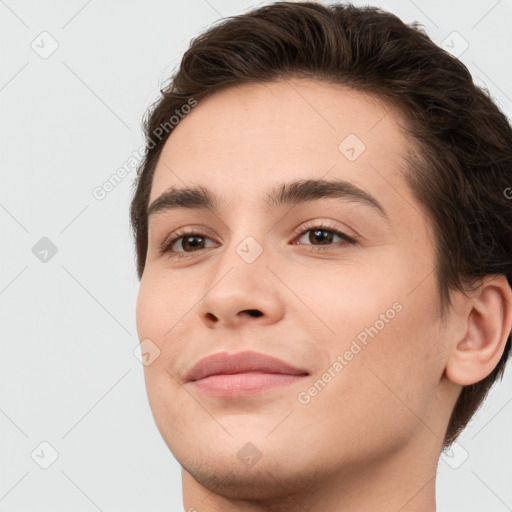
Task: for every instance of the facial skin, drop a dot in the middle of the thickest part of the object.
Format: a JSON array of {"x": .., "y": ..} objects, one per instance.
[{"x": 370, "y": 439}]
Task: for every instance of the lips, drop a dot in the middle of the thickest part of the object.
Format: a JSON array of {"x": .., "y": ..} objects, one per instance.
[
  {"x": 223, "y": 363},
  {"x": 243, "y": 374}
]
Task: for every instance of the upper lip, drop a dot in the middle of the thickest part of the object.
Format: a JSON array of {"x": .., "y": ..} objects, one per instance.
[{"x": 240, "y": 362}]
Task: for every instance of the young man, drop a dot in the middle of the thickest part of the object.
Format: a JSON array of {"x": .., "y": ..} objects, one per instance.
[{"x": 323, "y": 237}]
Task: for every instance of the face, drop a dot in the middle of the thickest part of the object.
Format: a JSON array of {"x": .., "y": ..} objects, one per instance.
[{"x": 337, "y": 282}]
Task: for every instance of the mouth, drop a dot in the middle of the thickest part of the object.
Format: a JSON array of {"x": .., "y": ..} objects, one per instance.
[{"x": 242, "y": 374}]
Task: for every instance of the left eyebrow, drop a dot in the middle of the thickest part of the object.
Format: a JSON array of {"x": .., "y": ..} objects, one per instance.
[
  {"x": 294, "y": 192},
  {"x": 302, "y": 191}
]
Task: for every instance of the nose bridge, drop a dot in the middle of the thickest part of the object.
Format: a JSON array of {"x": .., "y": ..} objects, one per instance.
[
  {"x": 247, "y": 248},
  {"x": 241, "y": 267},
  {"x": 241, "y": 282}
]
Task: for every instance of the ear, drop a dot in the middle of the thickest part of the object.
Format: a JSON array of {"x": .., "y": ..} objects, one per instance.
[{"x": 488, "y": 323}]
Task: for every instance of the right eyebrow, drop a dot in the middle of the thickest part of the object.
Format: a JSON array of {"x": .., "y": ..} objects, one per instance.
[{"x": 186, "y": 197}]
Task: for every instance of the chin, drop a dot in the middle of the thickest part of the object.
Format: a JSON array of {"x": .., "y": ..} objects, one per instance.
[{"x": 266, "y": 480}]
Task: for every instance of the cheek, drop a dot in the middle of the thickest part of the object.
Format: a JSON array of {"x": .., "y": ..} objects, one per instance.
[
  {"x": 343, "y": 298},
  {"x": 163, "y": 305},
  {"x": 163, "y": 312},
  {"x": 381, "y": 321},
  {"x": 402, "y": 363},
  {"x": 161, "y": 315},
  {"x": 386, "y": 383}
]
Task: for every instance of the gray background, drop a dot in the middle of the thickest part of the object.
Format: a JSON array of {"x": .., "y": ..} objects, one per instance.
[{"x": 68, "y": 373}]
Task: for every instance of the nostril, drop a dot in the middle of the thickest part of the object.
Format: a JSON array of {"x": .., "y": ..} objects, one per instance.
[
  {"x": 254, "y": 312},
  {"x": 211, "y": 317}
]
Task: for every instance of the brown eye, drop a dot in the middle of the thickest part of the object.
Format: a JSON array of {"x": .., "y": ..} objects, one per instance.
[
  {"x": 190, "y": 242},
  {"x": 323, "y": 236},
  {"x": 185, "y": 242}
]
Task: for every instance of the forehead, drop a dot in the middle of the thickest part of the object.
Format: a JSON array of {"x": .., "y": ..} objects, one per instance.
[{"x": 244, "y": 140}]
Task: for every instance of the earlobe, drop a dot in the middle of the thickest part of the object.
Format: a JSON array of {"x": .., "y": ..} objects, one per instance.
[{"x": 489, "y": 323}]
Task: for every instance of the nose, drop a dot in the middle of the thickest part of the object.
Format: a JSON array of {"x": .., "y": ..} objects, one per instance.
[{"x": 240, "y": 292}]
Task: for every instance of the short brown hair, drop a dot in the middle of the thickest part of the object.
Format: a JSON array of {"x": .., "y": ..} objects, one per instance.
[{"x": 463, "y": 143}]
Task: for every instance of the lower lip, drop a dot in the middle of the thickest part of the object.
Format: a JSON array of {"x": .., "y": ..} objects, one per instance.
[{"x": 243, "y": 384}]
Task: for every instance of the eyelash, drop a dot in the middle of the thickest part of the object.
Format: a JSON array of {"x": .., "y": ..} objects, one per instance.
[{"x": 168, "y": 243}]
